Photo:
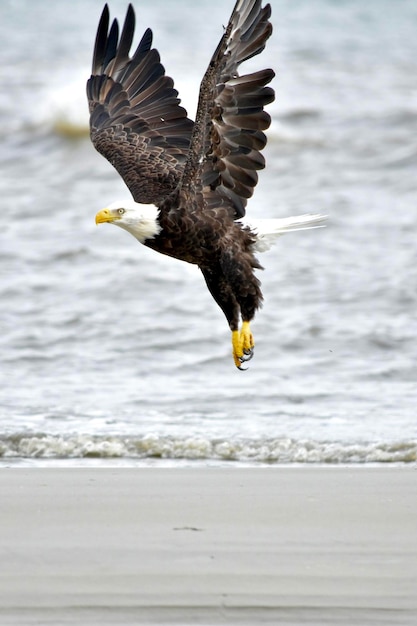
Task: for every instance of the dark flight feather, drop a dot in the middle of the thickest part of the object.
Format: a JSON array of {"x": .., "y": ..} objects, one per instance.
[
  {"x": 230, "y": 113},
  {"x": 136, "y": 120}
]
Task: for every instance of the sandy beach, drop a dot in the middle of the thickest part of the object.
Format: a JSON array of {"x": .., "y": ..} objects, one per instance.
[{"x": 209, "y": 546}]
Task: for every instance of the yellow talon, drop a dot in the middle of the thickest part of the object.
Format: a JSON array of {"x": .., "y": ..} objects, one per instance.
[{"x": 243, "y": 344}]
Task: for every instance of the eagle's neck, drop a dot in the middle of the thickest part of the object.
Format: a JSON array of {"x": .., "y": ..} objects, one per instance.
[{"x": 145, "y": 225}]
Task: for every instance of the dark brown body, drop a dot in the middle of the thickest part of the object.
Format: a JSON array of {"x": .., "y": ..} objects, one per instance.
[{"x": 221, "y": 248}]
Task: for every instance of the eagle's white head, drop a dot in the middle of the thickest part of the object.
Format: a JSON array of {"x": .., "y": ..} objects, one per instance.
[{"x": 141, "y": 220}]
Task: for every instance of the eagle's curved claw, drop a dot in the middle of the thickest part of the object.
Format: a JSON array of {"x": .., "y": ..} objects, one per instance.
[{"x": 247, "y": 355}]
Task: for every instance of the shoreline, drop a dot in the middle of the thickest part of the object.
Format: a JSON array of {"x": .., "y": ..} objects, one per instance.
[{"x": 211, "y": 546}]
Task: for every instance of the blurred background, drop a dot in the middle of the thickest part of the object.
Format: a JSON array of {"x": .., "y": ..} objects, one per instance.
[{"x": 114, "y": 355}]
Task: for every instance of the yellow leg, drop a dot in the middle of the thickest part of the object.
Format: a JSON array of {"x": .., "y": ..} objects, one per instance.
[
  {"x": 247, "y": 337},
  {"x": 243, "y": 344}
]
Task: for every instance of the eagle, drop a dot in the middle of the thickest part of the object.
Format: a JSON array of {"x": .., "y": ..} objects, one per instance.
[{"x": 190, "y": 180}]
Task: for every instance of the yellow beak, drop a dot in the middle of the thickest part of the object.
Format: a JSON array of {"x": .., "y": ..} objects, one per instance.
[{"x": 106, "y": 215}]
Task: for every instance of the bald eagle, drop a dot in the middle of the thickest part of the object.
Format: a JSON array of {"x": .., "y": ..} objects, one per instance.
[{"x": 190, "y": 181}]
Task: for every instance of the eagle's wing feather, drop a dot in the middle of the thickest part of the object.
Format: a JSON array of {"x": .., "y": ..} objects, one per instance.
[
  {"x": 228, "y": 132},
  {"x": 136, "y": 120}
]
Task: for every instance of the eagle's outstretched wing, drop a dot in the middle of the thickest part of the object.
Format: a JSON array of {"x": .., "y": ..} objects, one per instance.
[
  {"x": 228, "y": 132},
  {"x": 135, "y": 118}
]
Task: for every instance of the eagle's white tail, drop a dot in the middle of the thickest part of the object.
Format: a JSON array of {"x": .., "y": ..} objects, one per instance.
[{"x": 268, "y": 230}]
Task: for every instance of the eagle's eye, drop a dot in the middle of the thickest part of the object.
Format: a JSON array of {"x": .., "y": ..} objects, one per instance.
[{"x": 121, "y": 211}]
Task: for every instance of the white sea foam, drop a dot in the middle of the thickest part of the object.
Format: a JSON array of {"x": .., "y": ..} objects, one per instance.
[{"x": 259, "y": 451}]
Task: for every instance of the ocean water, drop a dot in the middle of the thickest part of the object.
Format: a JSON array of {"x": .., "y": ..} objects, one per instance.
[{"x": 114, "y": 355}]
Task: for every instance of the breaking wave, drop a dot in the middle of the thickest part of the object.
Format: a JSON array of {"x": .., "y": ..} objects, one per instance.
[{"x": 269, "y": 451}]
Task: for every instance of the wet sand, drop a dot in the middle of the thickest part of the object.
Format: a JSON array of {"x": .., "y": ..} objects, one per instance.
[{"x": 209, "y": 546}]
